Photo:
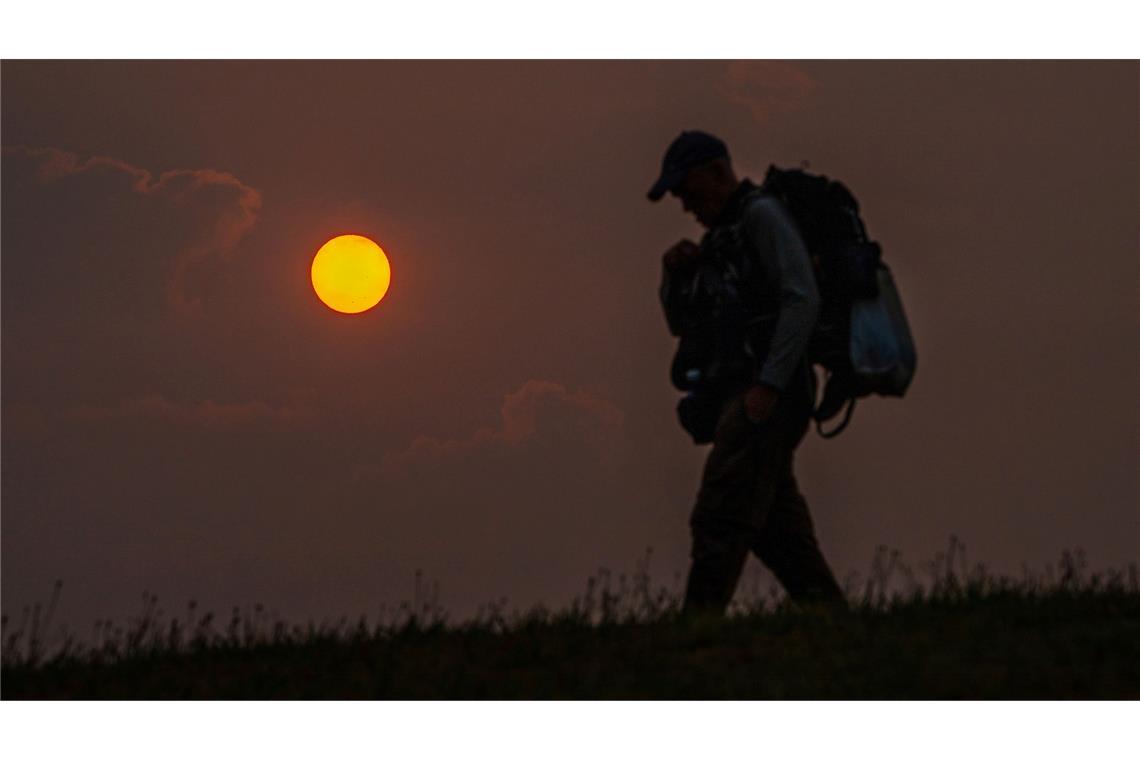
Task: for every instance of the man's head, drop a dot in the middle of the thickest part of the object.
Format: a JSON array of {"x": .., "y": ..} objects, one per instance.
[{"x": 697, "y": 170}]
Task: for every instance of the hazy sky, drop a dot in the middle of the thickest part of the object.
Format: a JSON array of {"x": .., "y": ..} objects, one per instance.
[{"x": 182, "y": 415}]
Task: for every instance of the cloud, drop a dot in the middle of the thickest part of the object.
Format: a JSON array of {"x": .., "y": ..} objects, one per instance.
[
  {"x": 767, "y": 88},
  {"x": 538, "y": 408},
  {"x": 210, "y": 414},
  {"x": 30, "y": 420},
  {"x": 216, "y": 236},
  {"x": 526, "y": 503}
]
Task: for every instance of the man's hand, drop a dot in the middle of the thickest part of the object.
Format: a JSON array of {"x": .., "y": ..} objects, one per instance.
[
  {"x": 681, "y": 256},
  {"x": 759, "y": 401}
]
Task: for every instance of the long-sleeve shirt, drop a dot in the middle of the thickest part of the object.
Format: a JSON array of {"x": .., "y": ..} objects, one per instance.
[
  {"x": 755, "y": 248},
  {"x": 771, "y": 237}
]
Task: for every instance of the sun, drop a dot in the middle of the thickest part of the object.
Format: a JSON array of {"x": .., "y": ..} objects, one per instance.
[{"x": 351, "y": 274}]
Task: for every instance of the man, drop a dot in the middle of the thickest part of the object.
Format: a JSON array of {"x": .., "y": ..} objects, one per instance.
[{"x": 747, "y": 290}]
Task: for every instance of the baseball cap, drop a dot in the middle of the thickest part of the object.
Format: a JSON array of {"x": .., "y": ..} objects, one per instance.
[{"x": 691, "y": 148}]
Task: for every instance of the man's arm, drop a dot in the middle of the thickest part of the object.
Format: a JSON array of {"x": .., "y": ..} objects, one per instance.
[
  {"x": 676, "y": 272},
  {"x": 782, "y": 255}
]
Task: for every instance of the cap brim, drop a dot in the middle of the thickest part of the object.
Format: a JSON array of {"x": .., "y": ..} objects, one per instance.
[{"x": 663, "y": 185}]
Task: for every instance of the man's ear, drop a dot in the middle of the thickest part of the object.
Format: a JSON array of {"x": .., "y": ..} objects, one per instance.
[{"x": 724, "y": 172}]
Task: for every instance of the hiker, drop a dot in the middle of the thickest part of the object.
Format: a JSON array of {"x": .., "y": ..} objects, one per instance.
[{"x": 744, "y": 302}]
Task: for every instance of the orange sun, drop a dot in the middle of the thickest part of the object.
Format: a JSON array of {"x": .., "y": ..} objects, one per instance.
[{"x": 351, "y": 274}]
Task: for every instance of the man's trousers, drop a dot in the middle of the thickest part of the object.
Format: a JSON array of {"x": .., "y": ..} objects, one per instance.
[{"x": 749, "y": 502}]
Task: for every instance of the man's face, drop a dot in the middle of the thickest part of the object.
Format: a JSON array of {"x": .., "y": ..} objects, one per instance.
[{"x": 700, "y": 195}]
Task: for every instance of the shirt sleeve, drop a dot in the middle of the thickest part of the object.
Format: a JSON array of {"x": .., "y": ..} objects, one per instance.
[
  {"x": 672, "y": 294},
  {"x": 781, "y": 253}
]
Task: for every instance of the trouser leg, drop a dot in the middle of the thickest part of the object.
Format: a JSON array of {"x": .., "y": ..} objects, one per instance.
[
  {"x": 723, "y": 518},
  {"x": 787, "y": 545},
  {"x": 718, "y": 558}
]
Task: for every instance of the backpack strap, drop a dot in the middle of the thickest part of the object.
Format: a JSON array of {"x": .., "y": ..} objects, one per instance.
[{"x": 842, "y": 425}]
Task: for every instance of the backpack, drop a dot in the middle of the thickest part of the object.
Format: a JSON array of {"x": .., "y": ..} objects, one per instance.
[{"x": 861, "y": 339}]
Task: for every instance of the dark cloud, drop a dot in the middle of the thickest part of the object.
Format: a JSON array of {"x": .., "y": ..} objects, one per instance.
[
  {"x": 768, "y": 88},
  {"x": 231, "y": 214},
  {"x": 207, "y": 413},
  {"x": 28, "y": 420},
  {"x": 540, "y": 408}
]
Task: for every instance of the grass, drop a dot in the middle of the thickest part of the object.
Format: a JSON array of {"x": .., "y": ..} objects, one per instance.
[{"x": 963, "y": 633}]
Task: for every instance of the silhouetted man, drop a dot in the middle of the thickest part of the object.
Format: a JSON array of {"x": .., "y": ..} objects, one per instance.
[{"x": 744, "y": 301}]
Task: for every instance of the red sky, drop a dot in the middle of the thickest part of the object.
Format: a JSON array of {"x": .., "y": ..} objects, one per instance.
[{"x": 182, "y": 415}]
